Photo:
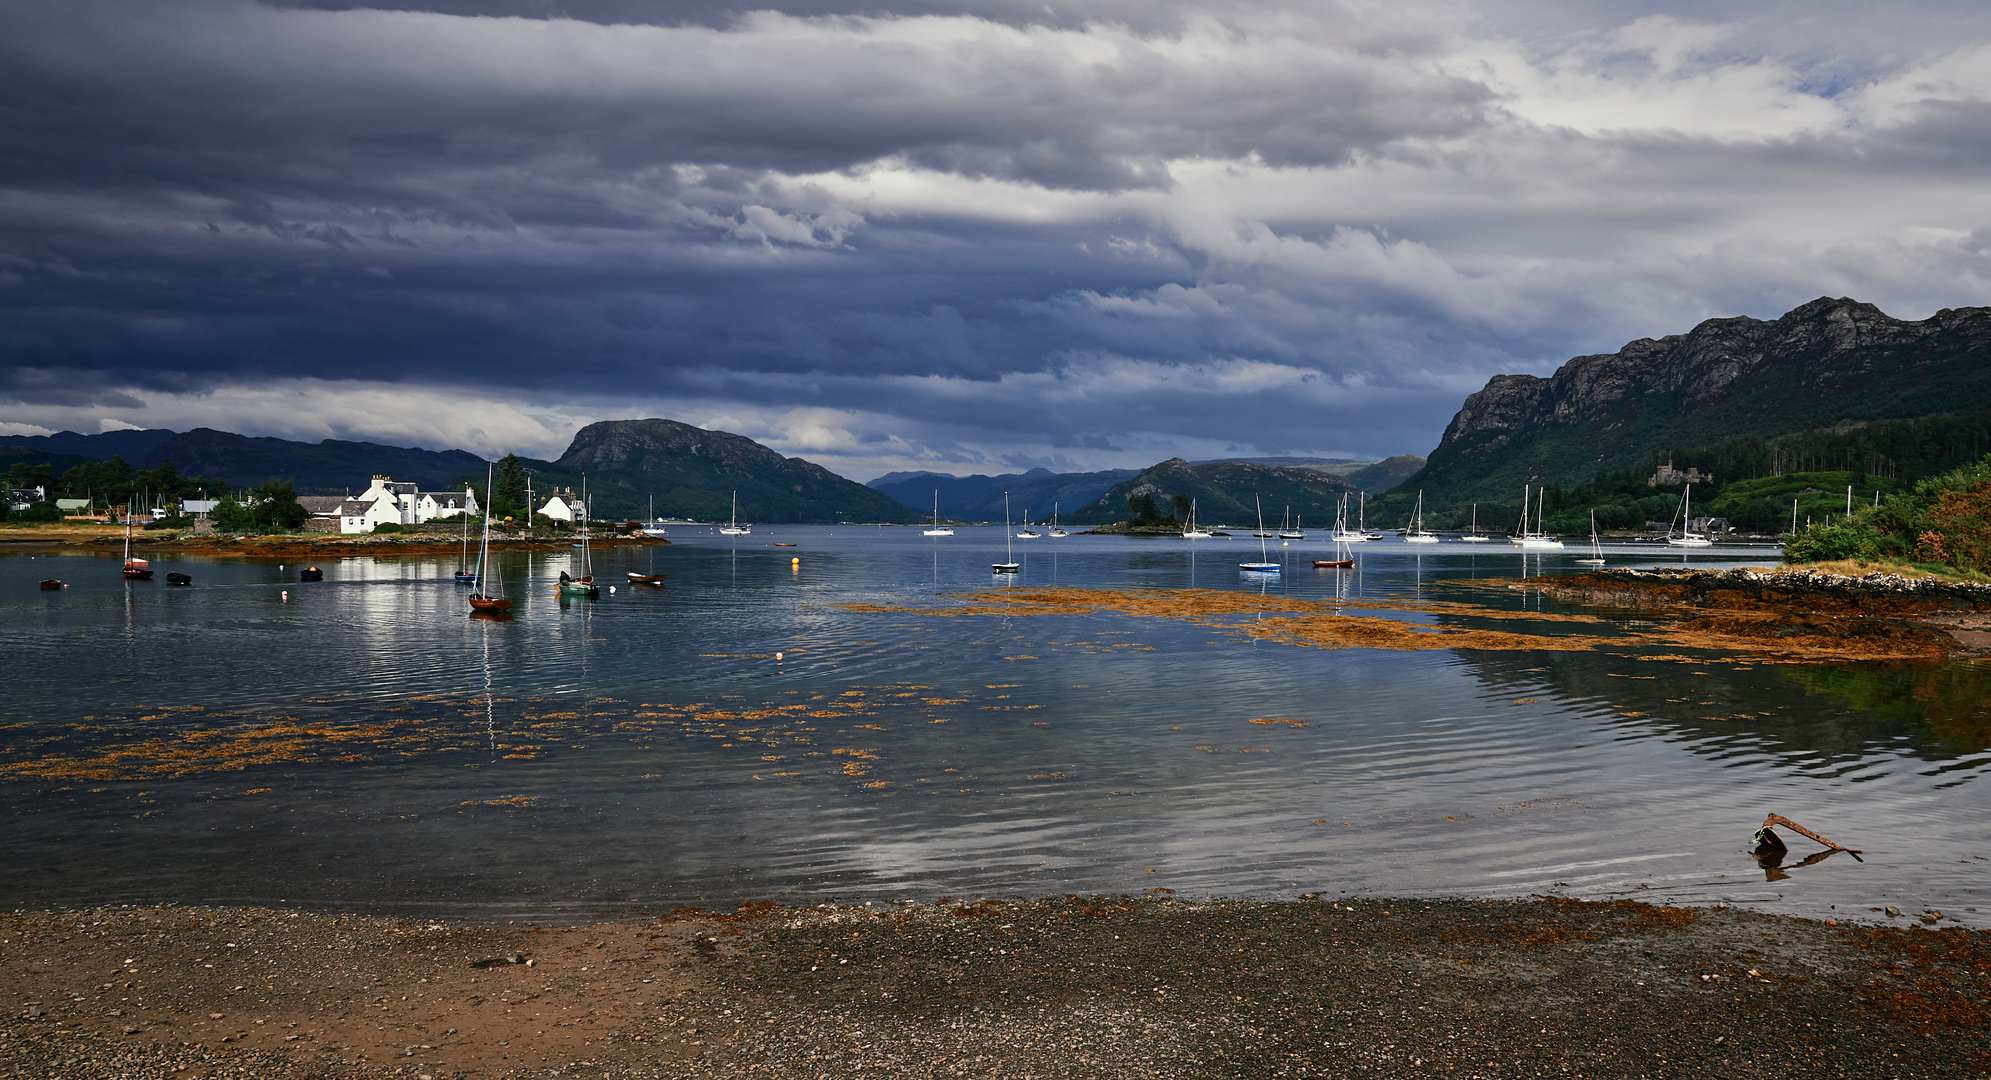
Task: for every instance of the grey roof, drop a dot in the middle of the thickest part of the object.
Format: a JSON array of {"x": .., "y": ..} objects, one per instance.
[{"x": 321, "y": 504}]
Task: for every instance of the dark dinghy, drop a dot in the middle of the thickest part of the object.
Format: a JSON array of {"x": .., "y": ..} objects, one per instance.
[
  {"x": 311, "y": 573},
  {"x": 51, "y": 585},
  {"x": 177, "y": 578}
]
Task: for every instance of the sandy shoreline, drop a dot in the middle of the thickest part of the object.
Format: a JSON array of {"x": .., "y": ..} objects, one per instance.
[{"x": 1071, "y": 987}]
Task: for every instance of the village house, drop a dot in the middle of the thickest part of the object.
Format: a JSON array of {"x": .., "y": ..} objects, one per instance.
[
  {"x": 386, "y": 502},
  {"x": 562, "y": 505}
]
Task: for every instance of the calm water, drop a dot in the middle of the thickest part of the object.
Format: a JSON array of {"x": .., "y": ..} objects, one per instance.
[{"x": 362, "y": 743}]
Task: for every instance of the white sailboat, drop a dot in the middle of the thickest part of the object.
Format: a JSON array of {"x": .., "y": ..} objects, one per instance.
[
  {"x": 734, "y": 528},
  {"x": 1342, "y": 533},
  {"x": 1193, "y": 532},
  {"x": 1008, "y": 545},
  {"x": 1536, "y": 540},
  {"x": 1028, "y": 533},
  {"x": 655, "y": 526},
  {"x": 1596, "y": 549},
  {"x": 1055, "y": 531},
  {"x": 1265, "y": 565},
  {"x": 1416, "y": 534},
  {"x": 938, "y": 529},
  {"x": 1474, "y": 536},
  {"x": 1294, "y": 533},
  {"x": 1688, "y": 537}
]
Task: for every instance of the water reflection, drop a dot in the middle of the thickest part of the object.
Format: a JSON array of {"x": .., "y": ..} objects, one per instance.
[
  {"x": 649, "y": 745},
  {"x": 1951, "y": 702}
]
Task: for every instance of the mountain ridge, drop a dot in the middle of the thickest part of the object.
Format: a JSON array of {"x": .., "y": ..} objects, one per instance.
[{"x": 1826, "y": 362}]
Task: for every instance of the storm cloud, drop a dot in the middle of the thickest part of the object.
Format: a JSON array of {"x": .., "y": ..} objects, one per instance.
[{"x": 947, "y": 236}]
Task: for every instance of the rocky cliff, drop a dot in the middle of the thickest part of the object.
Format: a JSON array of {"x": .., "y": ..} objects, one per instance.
[{"x": 1827, "y": 362}]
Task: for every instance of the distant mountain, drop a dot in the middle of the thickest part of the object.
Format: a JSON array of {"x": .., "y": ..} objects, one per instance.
[
  {"x": 1224, "y": 492},
  {"x": 1371, "y": 476},
  {"x": 1828, "y": 362},
  {"x": 130, "y": 445},
  {"x": 979, "y": 498},
  {"x": 693, "y": 473},
  {"x": 330, "y": 467}
]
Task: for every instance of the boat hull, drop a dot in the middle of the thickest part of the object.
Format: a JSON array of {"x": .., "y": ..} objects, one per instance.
[
  {"x": 179, "y": 579},
  {"x": 1538, "y": 545},
  {"x": 1006, "y": 567},
  {"x": 311, "y": 573},
  {"x": 137, "y": 573},
  {"x": 645, "y": 579},
  {"x": 51, "y": 585},
  {"x": 490, "y": 605},
  {"x": 1334, "y": 564},
  {"x": 1259, "y": 567}
]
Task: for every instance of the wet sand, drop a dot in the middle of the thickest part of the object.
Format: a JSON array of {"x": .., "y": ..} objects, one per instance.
[{"x": 1070, "y": 987}]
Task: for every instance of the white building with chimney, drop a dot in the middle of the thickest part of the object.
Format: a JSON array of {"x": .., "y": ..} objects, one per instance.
[{"x": 386, "y": 502}]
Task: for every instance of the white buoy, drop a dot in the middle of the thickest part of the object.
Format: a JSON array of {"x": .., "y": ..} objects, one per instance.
[
  {"x": 611, "y": 590},
  {"x": 777, "y": 656},
  {"x": 286, "y": 596}
]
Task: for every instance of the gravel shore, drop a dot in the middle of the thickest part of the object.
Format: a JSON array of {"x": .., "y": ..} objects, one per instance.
[{"x": 1071, "y": 987}]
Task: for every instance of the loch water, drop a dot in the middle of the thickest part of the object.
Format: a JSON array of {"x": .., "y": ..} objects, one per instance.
[{"x": 835, "y": 720}]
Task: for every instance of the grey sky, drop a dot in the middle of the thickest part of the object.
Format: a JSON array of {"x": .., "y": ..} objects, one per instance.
[{"x": 949, "y": 236}]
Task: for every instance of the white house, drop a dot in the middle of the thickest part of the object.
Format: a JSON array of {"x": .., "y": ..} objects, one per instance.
[
  {"x": 563, "y": 506},
  {"x": 387, "y": 502}
]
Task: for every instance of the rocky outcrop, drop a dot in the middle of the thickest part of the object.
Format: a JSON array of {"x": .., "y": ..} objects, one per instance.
[{"x": 1823, "y": 363}]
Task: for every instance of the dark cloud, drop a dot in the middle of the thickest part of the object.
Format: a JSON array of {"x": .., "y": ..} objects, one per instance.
[{"x": 946, "y": 232}]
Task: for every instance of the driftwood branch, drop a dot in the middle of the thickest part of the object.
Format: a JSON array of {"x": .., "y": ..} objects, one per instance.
[{"x": 1779, "y": 819}]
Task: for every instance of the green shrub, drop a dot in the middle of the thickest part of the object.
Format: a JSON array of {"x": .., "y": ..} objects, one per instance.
[{"x": 386, "y": 527}]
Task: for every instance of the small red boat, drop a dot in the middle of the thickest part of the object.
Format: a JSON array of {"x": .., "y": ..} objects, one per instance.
[
  {"x": 1334, "y": 564},
  {"x": 489, "y": 605},
  {"x": 645, "y": 579}
]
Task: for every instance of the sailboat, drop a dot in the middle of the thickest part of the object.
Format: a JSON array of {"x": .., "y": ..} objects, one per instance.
[
  {"x": 465, "y": 575},
  {"x": 938, "y": 529},
  {"x": 1028, "y": 533},
  {"x": 1416, "y": 534},
  {"x": 1008, "y": 545},
  {"x": 488, "y": 600},
  {"x": 654, "y": 528},
  {"x": 1474, "y": 536},
  {"x": 734, "y": 528},
  {"x": 1596, "y": 549},
  {"x": 1536, "y": 540},
  {"x": 1264, "y": 565},
  {"x": 1192, "y": 532},
  {"x": 1055, "y": 531},
  {"x": 1294, "y": 533},
  {"x": 1343, "y": 557},
  {"x": 1687, "y": 537},
  {"x": 134, "y": 569},
  {"x": 1342, "y": 533},
  {"x": 585, "y": 584}
]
